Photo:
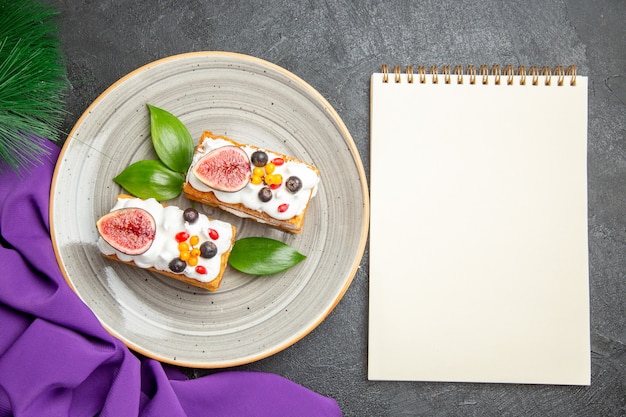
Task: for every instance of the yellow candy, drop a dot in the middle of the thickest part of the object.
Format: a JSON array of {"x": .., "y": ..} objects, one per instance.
[
  {"x": 194, "y": 240},
  {"x": 193, "y": 261},
  {"x": 255, "y": 179},
  {"x": 269, "y": 168}
]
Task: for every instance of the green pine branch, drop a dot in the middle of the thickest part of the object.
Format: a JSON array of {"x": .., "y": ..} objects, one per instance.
[{"x": 32, "y": 82}]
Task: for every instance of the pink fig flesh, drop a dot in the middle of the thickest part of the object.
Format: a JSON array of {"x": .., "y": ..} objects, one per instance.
[
  {"x": 128, "y": 230},
  {"x": 226, "y": 168}
]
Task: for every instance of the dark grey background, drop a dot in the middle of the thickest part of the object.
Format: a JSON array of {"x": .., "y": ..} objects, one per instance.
[{"x": 335, "y": 46}]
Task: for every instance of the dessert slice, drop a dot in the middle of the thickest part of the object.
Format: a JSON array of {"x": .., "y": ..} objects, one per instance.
[
  {"x": 181, "y": 244},
  {"x": 251, "y": 182}
]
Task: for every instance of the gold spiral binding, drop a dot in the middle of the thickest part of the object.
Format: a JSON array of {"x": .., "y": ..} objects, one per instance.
[
  {"x": 495, "y": 71},
  {"x": 547, "y": 73},
  {"x": 396, "y": 71},
  {"x": 560, "y": 74},
  {"x": 446, "y": 74},
  {"x": 571, "y": 72},
  {"x": 458, "y": 71},
  {"x": 435, "y": 74},
  {"x": 534, "y": 73},
  {"x": 471, "y": 71},
  {"x": 521, "y": 71},
  {"x": 421, "y": 70},
  {"x": 508, "y": 70},
  {"x": 485, "y": 73}
]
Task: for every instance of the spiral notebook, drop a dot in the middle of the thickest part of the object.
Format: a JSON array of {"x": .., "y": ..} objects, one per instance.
[{"x": 478, "y": 242}]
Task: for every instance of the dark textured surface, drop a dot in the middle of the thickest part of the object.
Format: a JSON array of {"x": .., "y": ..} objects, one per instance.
[{"x": 335, "y": 46}]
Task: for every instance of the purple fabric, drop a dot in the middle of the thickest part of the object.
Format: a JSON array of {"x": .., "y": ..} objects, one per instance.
[{"x": 57, "y": 360}]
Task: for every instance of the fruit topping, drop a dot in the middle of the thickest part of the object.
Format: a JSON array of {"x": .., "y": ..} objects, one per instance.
[
  {"x": 181, "y": 236},
  {"x": 191, "y": 215},
  {"x": 257, "y": 175},
  {"x": 187, "y": 251},
  {"x": 283, "y": 207},
  {"x": 128, "y": 230},
  {"x": 269, "y": 168},
  {"x": 259, "y": 158},
  {"x": 201, "y": 269},
  {"x": 273, "y": 179},
  {"x": 177, "y": 265},
  {"x": 226, "y": 168},
  {"x": 213, "y": 234},
  {"x": 278, "y": 161},
  {"x": 293, "y": 184},
  {"x": 265, "y": 194},
  {"x": 208, "y": 249}
]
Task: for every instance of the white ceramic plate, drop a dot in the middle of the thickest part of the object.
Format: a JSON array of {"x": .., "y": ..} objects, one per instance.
[{"x": 248, "y": 318}]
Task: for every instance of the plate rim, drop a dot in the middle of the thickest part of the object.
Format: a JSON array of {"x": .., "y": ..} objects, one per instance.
[{"x": 349, "y": 141}]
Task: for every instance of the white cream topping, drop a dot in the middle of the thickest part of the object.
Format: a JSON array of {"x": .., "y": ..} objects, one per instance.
[
  {"x": 249, "y": 195},
  {"x": 169, "y": 221}
]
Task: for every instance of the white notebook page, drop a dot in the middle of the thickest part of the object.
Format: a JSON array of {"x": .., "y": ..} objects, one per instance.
[{"x": 478, "y": 238}]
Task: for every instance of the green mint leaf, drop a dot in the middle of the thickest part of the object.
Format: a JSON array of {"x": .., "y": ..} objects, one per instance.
[
  {"x": 263, "y": 256},
  {"x": 171, "y": 140},
  {"x": 151, "y": 179}
]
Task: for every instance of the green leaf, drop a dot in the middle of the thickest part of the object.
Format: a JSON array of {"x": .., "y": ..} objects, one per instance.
[
  {"x": 171, "y": 140},
  {"x": 151, "y": 179},
  {"x": 263, "y": 256}
]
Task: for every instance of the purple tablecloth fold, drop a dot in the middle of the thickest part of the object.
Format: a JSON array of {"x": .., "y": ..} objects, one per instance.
[{"x": 57, "y": 360}]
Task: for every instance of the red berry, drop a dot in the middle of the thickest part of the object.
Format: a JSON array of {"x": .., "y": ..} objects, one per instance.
[
  {"x": 182, "y": 236},
  {"x": 275, "y": 186},
  {"x": 278, "y": 161},
  {"x": 200, "y": 269},
  {"x": 283, "y": 207},
  {"x": 213, "y": 234}
]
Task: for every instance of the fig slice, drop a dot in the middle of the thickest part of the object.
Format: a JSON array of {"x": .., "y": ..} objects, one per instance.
[
  {"x": 128, "y": 230},
  {"x": 226, "y": 168}
]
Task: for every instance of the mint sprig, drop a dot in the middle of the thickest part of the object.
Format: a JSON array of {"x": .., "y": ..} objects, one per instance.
[
  {"x": 151, "y": 179},
  {"x": 263, "y": 256},
  {"x": 162, "y": 179},
  {"x": 171, "y": 139}
]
